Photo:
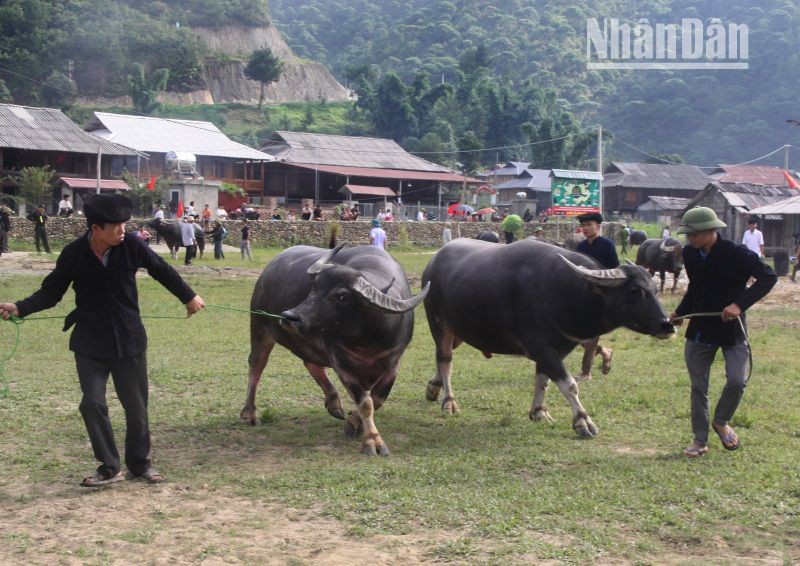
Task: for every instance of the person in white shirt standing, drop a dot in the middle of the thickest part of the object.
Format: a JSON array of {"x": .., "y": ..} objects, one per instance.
[
  {"x": 188, "y": 238},
  {"x": 753, "y": 238},
  {"x": 666, "y": 233},
  {"x": 377, "y": 236}
]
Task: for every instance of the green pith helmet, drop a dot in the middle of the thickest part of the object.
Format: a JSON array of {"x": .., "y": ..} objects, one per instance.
[{"x": 698, "y": 219}]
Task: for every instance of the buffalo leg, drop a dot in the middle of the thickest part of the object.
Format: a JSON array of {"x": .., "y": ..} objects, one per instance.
[
  {"x": 446, "y": 342},
  {"x": 675, "y": 280},
  {"x": 261, "y": 345},
  {"x": 663, "y": 280},
  {"x": 363, "y": 419},
  {"x": 333, "y": 402},
  {"x": 539, "y": 409},
  {"x": 591, "y": 349}
]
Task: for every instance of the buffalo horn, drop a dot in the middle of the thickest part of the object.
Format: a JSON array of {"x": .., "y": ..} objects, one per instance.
[
  {"x": 665, "y": 248},
  {"x": 601, "y": 277},
  {"x": 383, "y": 301},
  {"x": 324, "y": 262}
]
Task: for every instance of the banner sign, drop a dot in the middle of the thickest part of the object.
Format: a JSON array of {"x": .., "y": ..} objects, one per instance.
[{"x": 575, "y": 196}]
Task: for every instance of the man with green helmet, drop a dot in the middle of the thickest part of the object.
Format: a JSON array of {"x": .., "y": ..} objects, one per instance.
[{"x": 718, "y": 271}]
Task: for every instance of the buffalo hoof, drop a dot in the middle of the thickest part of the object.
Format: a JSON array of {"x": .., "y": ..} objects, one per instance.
[
  {"x": 336, "y": 412},
  {"x": 334, "y": 406},
  {"x": 584, "y": 427},
  {"x": 540, "y": 414},
  {"x": 250, "y": 416},
  {"x": 449, "y": 406},
  {"x": 353, "y": 426},
  {"x": 606, "y": 354},
  {"x": 369, "y": 449},
  {"x": 432, "y": 392}
]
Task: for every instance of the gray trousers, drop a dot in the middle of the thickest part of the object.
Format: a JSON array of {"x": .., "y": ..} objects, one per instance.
[{"x": 699, "y": 358}]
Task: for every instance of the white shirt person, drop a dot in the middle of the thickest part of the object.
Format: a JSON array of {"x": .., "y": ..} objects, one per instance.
[{"x": 754, "y": 239}]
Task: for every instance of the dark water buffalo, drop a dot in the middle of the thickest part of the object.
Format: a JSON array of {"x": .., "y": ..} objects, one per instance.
[
  {"x": 350, "y": 310},
  {"x": 171, "y": 232},
  {"x": 571, "y": 242},
  {"x": 536, "y": 300},
  {"x": 637, "y": 237},
  {"x": 662, "y": 256},
  {"x": 488, "y": 236}
]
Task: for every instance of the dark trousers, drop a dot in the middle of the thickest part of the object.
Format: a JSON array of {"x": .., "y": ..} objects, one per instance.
[
  {"x": 130, "y": 383},
  {"x": 40, "y": 236},
  {"x": 3, "y": 241},
  {"x": 218, "y": 253},
  {"x": 191, "y": 251},
  {"x": 509, "y": 237},
  {"x": 699, "y": 358}
]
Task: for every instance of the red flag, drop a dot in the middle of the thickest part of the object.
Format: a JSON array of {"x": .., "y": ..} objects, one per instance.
[
  {"x": 180, "y": 208},
  {"x": 791, "y": 181},
  {"x": 151, "y": 185}
]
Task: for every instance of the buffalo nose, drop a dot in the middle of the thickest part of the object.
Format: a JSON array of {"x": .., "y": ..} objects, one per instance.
[{"x": 291, "y": 317}]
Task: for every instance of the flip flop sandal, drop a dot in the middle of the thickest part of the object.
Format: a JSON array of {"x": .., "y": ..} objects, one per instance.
[
  {"x": 729, "y": 438},
  {"x": 150, "y": 475},
  {"x": 98, "y": 480},
  {"x": 695, "y": 451}
]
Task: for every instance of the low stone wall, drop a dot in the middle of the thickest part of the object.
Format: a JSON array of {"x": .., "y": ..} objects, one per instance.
[{"x": 426, "y": 234}]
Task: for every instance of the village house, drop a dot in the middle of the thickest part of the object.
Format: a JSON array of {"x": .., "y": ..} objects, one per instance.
[
  {"x": 626, "y": 186},
  {"x": 329, "y": 169},
  {"x": 38, "y": 137},
  {"x": 196, "y": 156}
]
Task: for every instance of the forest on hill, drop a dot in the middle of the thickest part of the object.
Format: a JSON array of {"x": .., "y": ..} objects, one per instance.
[{"x": 491, "y": 81}]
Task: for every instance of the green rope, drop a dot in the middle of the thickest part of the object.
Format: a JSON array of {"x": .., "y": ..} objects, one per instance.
[{"x": 19, "y": 320}]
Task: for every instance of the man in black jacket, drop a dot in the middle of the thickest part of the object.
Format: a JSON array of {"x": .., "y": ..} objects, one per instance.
[
  {"x": 718, "y": 272},
  {"x": 109, "y": 337},
  {"x": 39, "y": 218}
]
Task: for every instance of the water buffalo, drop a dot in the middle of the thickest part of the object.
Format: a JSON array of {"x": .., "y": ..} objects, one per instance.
[
  {"x": 350, "y": 310},
  {"x": 663, "y": 256},
  {"x": 488, "y": 236},
  {"x": 571, "y": 242},
  {"x": 637, "y": 237},
  {"x": 536, "y": 300},
  {"x": 171, "y": 232}
]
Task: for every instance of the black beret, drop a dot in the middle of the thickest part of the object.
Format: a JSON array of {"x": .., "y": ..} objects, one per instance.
[
  {"x": 590, "y": 217},
  {"x": 108, "y": 208}
]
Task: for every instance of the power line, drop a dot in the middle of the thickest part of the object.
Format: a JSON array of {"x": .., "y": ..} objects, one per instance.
[{"x": 699, "y": 166}]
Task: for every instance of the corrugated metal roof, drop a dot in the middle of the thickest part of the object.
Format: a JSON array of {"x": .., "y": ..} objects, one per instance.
[
  {"x": 570, "y": 174},
  {"x": 655, "y": 176},
  {"x": 111, "y": 184},
  {"x": 745, "y": 197},
  {"x": 346, "y": 151},
  {"x": 670, "y": 203},
  {"x": 534, "y": 179},
  {"x": 162, "y": 135},
  {"x": 388, "y": 173},
  {"x": 367, "y": 190},
  {"x": 49, "y": 129},
  {"x": 510, "y": 168},
  {"x": 790, "y": 205},
  {"x": 756, "y": 174}
]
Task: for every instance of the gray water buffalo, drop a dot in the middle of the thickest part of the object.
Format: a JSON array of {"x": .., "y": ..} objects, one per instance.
[
  {"x": 488, "y": 236},
  {"x": 571, "y": 242},
  {"x": 171, "y": 232},
  {"x": 637, "y": 237},
  {"x": 536, "y": 300},
  {"x": 662, "y": 256},
  {"x": 347, "y": 309}
]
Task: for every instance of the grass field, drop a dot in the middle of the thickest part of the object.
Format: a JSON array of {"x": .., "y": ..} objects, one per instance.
[{"x": 484, "y": 486}]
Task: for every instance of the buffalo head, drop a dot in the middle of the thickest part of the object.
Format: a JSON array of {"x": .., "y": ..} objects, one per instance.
[
  {"x": 337, "y": 300},
  {"x": 671, "y": 251},
  {"x": 630, "y": 298}
]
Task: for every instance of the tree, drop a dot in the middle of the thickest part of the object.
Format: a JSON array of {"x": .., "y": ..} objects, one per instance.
[
  {"x": 143, "y": 92},
  {"x": 5, "y": 94},
  {"x": 34, "y": 184},
  {"x": 265, "y": 68},
  {"x": 58, "y": 92}
]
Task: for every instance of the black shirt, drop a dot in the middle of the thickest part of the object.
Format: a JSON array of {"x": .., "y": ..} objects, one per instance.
[
  {"x": 716, "y": 280},
  {"x": 37, "y": 218},
  {"x": 601, "y": 249},
  {"x": 106, "y": 316}
]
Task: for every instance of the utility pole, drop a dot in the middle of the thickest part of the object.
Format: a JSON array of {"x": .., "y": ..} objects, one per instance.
[
  {"x": 600, "y": 167},
  {"x": 786, "y": 157}
]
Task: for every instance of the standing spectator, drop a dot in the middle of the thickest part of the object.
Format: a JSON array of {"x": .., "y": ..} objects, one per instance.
[
  {"x": 190, "y": 209},
  {"x": 222, "y": 214},
  {"x": 65, "y": 207},
  {"x": 602, "y": 250},
  {"x": 39, "y": 218},
  {"x": 666, "y": 232},
  {"x": 420, "y": 215},
  {"x": 625, "y": 234},
  {"x": 317, "y": 213},
  {"x": 718, "y": 271},
  {"x": 306, "y": 213},
  {"x": 159, "y": 216},
  {"x": 377, "y": 236},
  {"x": 528, "y": 216},
  {"x": 355, "y": 212},
  {"x": 188, "y": 238},
  {"x": 244, "y": 246},
  {"x": 205, "y": 216},
  {"x": 109, "y": 337},
  {"x": 5, "y": 228},
  {"x": 446, "y": 234},
  {"x": 381, "y": 215},
  {"x": 794, "y": 269},
  {"x": 753, "y": 238},
  {"x": 218, "y": 233}
]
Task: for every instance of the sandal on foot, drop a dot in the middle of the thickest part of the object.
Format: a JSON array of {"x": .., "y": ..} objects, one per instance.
[
  {"x": 99, "y": 479},
  {"x": 695, "y": 451},
  {"x": 729, "y": 438}
]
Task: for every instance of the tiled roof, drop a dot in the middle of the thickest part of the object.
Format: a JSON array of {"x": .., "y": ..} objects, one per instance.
[
  {"x": 758, "y": 174},
  {"x": 655, "y": 176},
  {"x": 346, "y": 151},
  {"x": 162, "y": 135},
  {"x": 111, "y": 184},
  {"x": 745, "y": 196},
  {"x": 49, "y": 129}
]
